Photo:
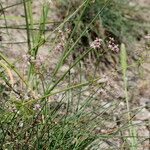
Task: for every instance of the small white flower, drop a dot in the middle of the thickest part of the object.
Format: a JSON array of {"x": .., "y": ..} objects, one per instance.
[
  {"x": 21, "y": 124},
  {"x": 96, "y": 43},
  {"x": 37, "y": 107},
  {"x": 112, "y": 46}
]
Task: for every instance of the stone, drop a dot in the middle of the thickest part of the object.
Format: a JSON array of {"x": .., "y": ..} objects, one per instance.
[{"x": 144, "y": 114}]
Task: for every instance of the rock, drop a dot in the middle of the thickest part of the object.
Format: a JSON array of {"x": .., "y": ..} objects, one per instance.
[
  {"x": 142, "y": 134},
  {"x": 87, "y": 93},
  {"x": 144, "y": 114},
  {"x": 97, "y": 144},
  {"x": 144, "y": 101},
  {"x": 110, "y": 125},
  {"x": 65, "y": 68},
  {"x": 146, "y": 66},
  {"x": 144, "y": 87}
]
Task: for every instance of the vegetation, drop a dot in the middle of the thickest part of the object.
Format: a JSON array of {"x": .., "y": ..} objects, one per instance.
[{"x": 65, "y": 107}]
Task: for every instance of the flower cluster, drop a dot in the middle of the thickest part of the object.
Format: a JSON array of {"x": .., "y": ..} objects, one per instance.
[
  {"x": 63, "y": 37},
  {"x": 37, "y": 107},
  {"x": 26, "y": 57},
  {"x": 59, "y": 47},
  {"x": 112, "y": 46},
  {"x": 96, "y": 43}
]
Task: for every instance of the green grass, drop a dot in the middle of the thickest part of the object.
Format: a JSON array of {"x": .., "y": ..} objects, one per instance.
[
  {"x": 63, "y": 111},
  {"x": 132, "y": 132}
]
